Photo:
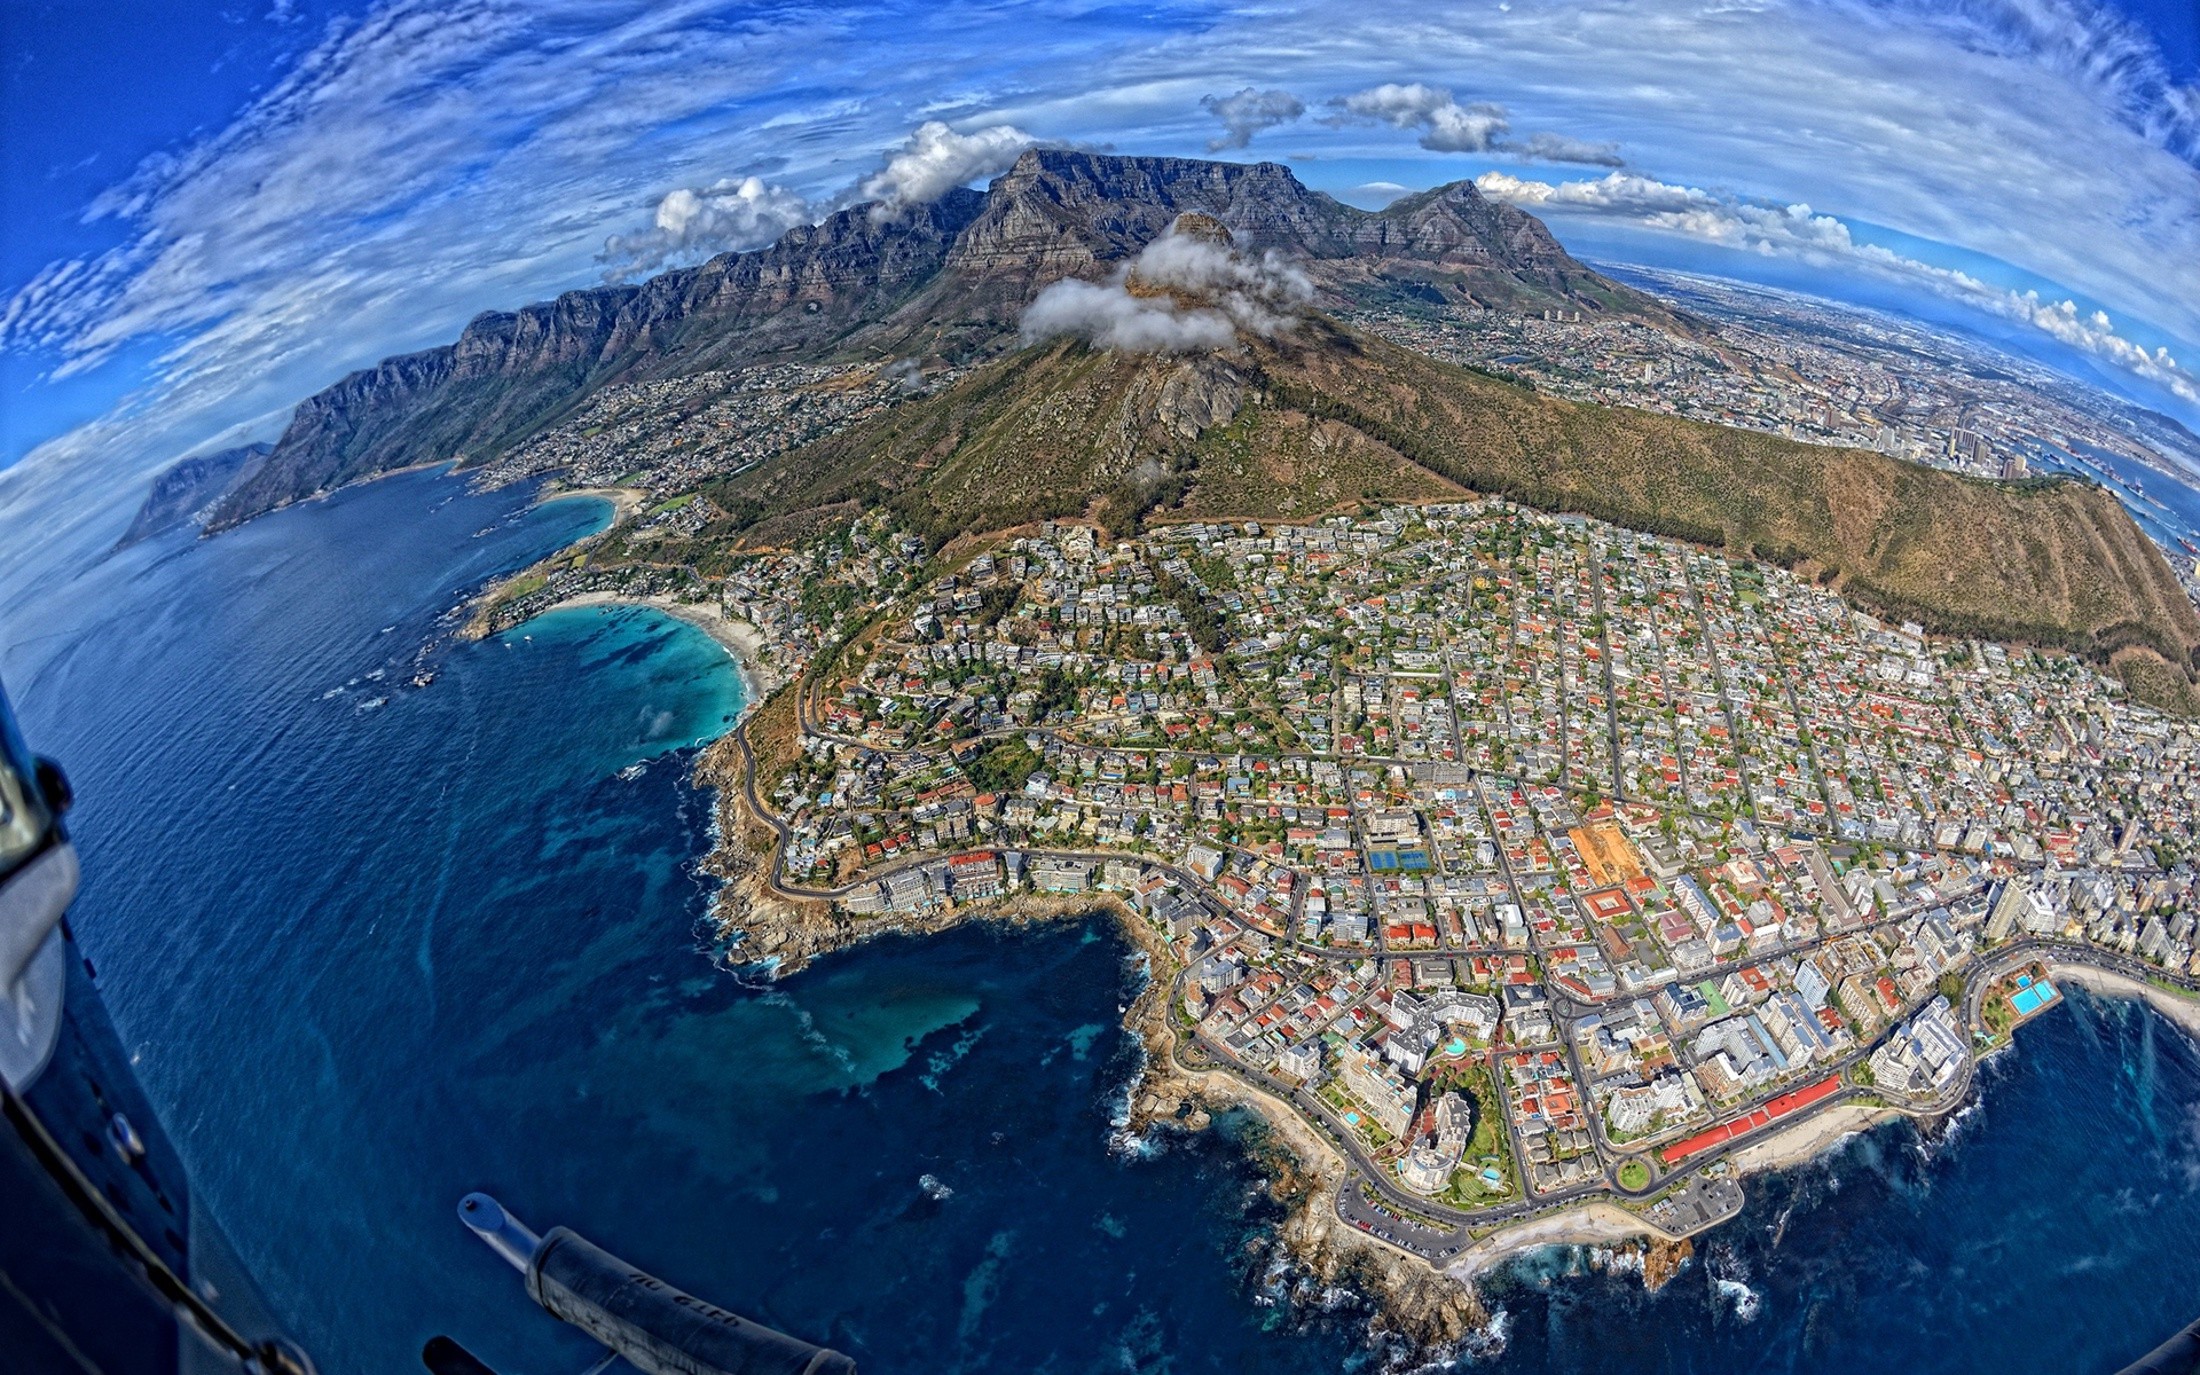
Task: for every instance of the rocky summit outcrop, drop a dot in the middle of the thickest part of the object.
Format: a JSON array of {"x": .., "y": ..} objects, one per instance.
[
  {"x": 1060, "y": 213},
  {"x": 1063, "y": 213},
  {"x": 947, "y": 280}
]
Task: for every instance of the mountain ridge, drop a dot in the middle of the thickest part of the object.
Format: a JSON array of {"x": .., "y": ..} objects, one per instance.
[
  {"x": 1318, "y": 417},
  {"x": 946, "y": 281},
  {"x": 510, "y": 373},
  {"x": 184, "y": 489}
]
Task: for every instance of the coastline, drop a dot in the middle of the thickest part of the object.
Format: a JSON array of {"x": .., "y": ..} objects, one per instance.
[
  {"x": 1428, "y": 1306},
  {"x": 1591, "y": 1224},
  {"x": 1811, "y": 1138},
  {"x": 743, "y": 642},
  {"x": 2181, "y": 1012},
  {"x": 625, "y": 501}
]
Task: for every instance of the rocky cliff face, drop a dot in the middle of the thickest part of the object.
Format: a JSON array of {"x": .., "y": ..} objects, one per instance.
[
  {"x": 1060, "y": 213},
  {"x": 945, "y": 280},
  {"x": 181, "y": 492},
  {"x": 333, "y": 436},
  {"x": 803, "y": 293},
  {"x": 512, "y": 372}
]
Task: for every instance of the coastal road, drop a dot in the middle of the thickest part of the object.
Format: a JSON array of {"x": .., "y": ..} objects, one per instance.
[
  {"x": 2005, "y": 960},
  {"x": 1452, "y": 1228}
]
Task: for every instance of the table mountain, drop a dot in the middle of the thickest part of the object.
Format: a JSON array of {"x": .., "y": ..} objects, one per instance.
[
  {"x": 1286, "y": 421},
  {"x": 947, "y": 280}
]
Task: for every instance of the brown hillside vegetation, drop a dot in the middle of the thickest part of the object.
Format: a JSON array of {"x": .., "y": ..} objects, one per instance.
[
  {"x": 1068, "y": 430},
  {"x": 1329, "y": 417}
]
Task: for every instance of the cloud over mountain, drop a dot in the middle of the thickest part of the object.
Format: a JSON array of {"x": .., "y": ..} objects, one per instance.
[
  {"x": 728, "y": 215},
  {"x": 738, "y": 213},
  {"x": 1189, "y": 291},
  {"x": 936, "y": 160}
]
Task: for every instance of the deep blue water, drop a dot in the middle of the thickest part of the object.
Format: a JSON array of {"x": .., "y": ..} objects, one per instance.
[
  {"x": 2049, "y": 1228},
  {"x": 370, "y": 958}
]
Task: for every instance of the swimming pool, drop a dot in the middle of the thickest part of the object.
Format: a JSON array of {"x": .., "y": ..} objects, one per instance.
[{"x": 2032, "y": 997}]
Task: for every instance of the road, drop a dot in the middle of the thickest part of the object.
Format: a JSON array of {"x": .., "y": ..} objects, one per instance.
[
  {"x": 1451, "y": 1229},
  {"x": 1447, "y": 1230}
]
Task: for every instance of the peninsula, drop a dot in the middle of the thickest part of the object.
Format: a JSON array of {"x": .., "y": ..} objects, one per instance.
[
  {"x": 1541, "y": 810},
  {"x": 1546, "y": 876}
]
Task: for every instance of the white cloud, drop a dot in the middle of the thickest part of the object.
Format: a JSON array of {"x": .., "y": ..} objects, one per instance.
[
  {"x": 936, "y": 160},
  {"x": 1484, "y": 127},
  {"x": 1797, "y": 231},
  {"x": 1247, "y": 113},
  {"x": 1183, "y": 293},
  {"x": 2096, "y": 334},
  {"x": 434, "y": 158},
  {"x": 728, "y": 215},
  {"x": 737, "y": 213},
  {"x": 1446, "y": 126},
  {"x": 1109, "y": 317},
  {"x": 1260, "y": 295}
]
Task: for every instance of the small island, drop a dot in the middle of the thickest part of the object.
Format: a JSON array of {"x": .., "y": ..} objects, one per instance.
[{"x": 1534, "y": 879}]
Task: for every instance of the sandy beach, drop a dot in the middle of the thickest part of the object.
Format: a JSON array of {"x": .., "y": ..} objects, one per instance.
[
  {"x": 740, "y": 639},
  {"x": 625, "y": 501},
  {"x": 1593, "y": 1224},
  {"x": 1808, "y": 1139},
  {"x": 2183, "y": 1011}
]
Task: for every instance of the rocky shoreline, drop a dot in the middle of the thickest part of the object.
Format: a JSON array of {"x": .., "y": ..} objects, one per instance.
[
  {"x": 1412, "y": 1300},
  {"x": 1430, "y": 1310}
]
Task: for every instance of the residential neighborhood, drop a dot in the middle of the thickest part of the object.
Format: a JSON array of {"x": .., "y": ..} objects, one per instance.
[{"x": 1531, "y": 858}]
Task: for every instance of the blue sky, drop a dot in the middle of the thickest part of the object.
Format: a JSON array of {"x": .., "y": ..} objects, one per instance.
[{"x": 211, "y": 213}]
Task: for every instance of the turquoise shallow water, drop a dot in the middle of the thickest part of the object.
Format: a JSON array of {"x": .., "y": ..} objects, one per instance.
[{"x": 372, "y": 956}]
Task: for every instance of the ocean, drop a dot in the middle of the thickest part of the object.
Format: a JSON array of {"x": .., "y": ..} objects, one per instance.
[{"x": 375, "y": 945}]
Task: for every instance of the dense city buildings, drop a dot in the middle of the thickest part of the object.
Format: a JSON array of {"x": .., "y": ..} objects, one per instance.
[{"x": 1532, "y": 858}]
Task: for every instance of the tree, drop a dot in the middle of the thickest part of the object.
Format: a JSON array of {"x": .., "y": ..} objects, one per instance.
[{"x": 1004, "y": 768}]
